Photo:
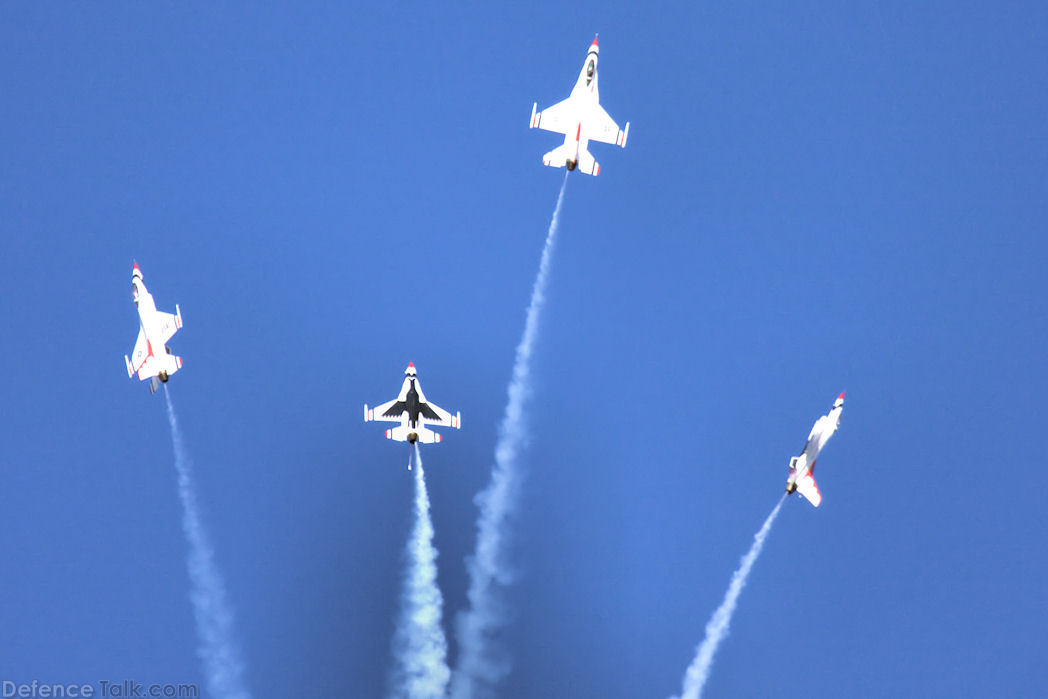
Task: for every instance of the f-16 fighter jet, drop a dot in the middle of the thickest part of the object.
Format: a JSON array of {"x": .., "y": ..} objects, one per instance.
[
  {"x": 581, "y": 119},
  {"x": 152, "y": 358},
  {"x": 413, "y": 413},
  {"x": 801, "y": 466}
]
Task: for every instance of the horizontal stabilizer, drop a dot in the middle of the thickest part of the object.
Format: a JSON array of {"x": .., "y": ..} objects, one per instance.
[
  {"x": 402, "y": 433},
  {"x": 154, "y": 366},
  {"x": 558, "y": 157},
  {"x": 806, "y": 487},
  {"x": 168, "y": 363},
  {"x": 587, "y": 164},
  {"x": 564, "y": 156}
]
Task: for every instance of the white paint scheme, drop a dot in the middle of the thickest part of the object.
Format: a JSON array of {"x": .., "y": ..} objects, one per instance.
[
  {"x": 802, "y": 466},
  {"x": 581, "y": 119},
  {"x": 398, "y": 410},
  {"x": 152, "y": 358}
]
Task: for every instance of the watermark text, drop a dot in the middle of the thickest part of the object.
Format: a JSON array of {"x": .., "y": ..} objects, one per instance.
[{"x": 104, "y": 689}]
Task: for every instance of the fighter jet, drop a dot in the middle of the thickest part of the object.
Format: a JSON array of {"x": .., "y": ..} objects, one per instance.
[
  {"x": 152, "y": 358},
  {"x": 581, "y": 119},
  {"x": 413, "y": 413},
  {"x": 802, "y": 466}
]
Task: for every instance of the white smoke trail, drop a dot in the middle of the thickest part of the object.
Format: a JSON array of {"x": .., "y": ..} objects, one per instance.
[
  {"x": 419, "y": 645},
  {"x": 216, "y": 646},
  {"x": 480, "y": 666},
  {"x": 717, "y": 627}
]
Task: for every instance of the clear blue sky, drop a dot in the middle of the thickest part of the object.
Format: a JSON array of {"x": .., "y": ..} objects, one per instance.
[{"x": 813, "y": 199}]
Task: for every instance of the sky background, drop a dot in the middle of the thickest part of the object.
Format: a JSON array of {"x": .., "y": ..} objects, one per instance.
[{"x": 813, "y": 199}]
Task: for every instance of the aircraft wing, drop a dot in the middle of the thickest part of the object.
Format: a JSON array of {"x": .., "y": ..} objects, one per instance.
[
  {"x": 806, "y": 487},
  {"x": 141, "y": 352},
  {"x": 824, "y": 428},
  {"x": 818, "y": 431},
  {"x": 169, "y": 323},
  {"x": 601, "y": 127},
  {"x": 435, "y": 415},
  {"x": 388, "y": 412},
  {"x": 560, "y": 118}
]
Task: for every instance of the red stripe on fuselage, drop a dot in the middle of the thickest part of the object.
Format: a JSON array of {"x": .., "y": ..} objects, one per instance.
[{"x": 149, "y": 347}]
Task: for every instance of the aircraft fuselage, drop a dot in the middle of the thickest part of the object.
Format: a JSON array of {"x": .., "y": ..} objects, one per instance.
[{"x": 146, "y": 315}]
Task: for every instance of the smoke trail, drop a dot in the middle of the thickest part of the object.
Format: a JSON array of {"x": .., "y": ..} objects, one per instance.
[
  {"x": 214, "y": 618},
  {"x": 419, "y": 645},
  {"x": 479, "y": 665},
  {"x": 717, "y": 627}
]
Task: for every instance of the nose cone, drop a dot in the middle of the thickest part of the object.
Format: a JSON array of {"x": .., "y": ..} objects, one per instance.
[
  {"x": 135, "y": 271},
  {"x": 594, "y": 47},
  {"x": 410, "y": 371}
]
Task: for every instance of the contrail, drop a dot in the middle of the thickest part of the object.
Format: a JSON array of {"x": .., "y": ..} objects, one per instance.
[
  {"x": 717, "y": 627},
  {"x": 216, "y": 646},
  {"x": 480, "y": 666},
  {"x": 419, "y": 645}
]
